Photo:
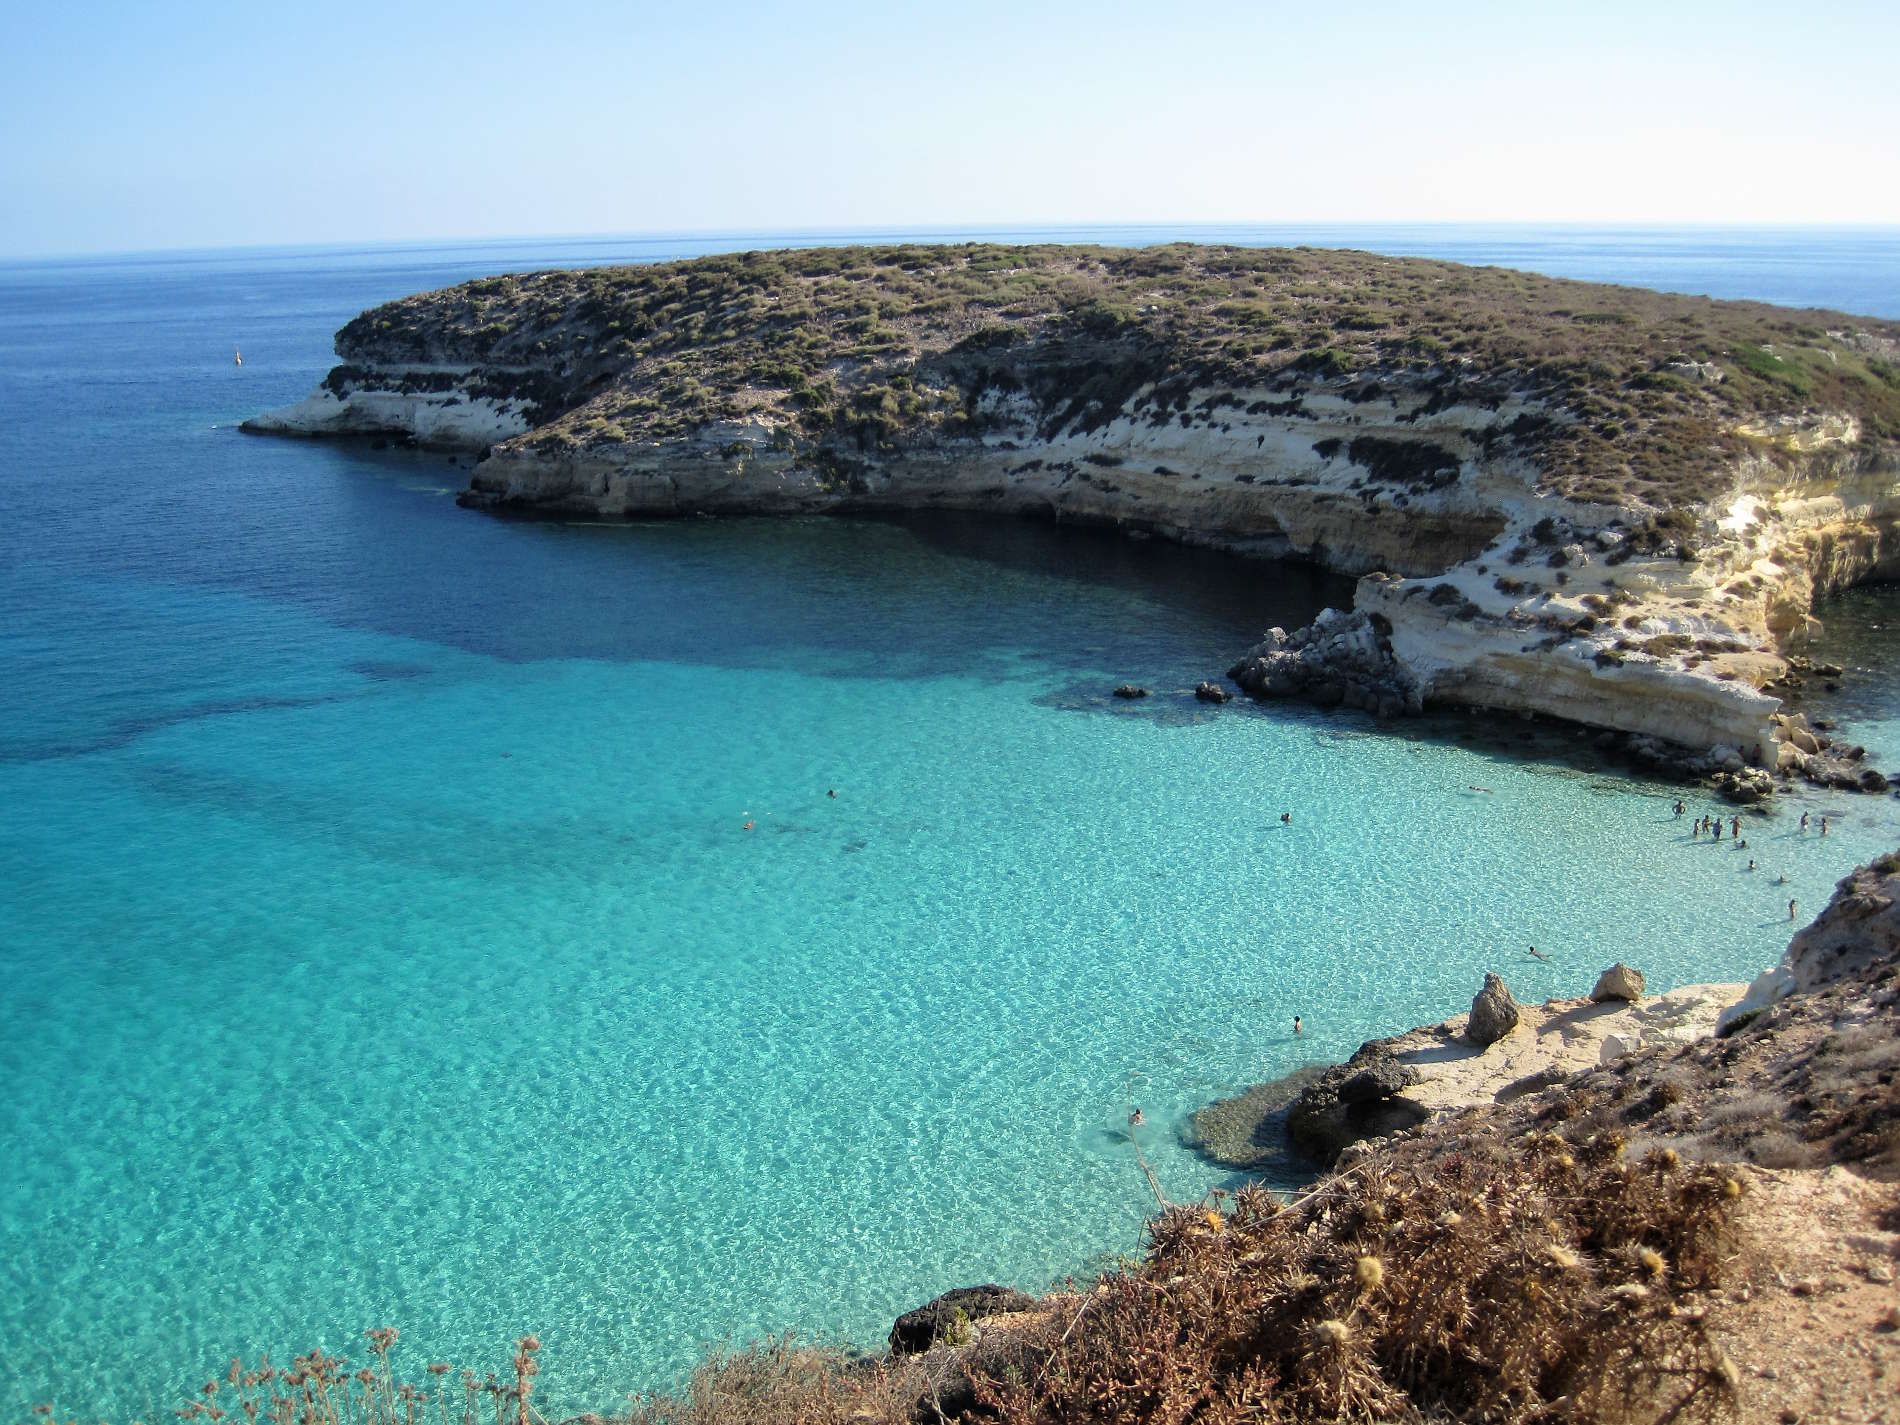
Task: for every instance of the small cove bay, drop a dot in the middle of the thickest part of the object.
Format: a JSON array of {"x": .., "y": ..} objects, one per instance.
[{"x": 383, "y": 942}]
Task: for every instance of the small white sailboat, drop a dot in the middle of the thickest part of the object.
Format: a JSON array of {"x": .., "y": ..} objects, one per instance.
[{"x": 237, "y": 355}]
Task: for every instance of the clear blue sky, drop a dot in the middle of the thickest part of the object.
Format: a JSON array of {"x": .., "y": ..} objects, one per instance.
[{"x": 132, "y": 126}]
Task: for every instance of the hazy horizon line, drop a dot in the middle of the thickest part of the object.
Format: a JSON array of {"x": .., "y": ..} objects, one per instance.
[{"x": 838, "y": 231}]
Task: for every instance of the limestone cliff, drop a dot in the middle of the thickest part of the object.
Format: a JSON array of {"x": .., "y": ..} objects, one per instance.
[{"x": 1607, "y": 505}]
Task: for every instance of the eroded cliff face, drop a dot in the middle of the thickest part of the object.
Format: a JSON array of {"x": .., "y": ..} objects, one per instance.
[
  {"x": 1659, "y": 591},
  {"x": 1236, "y": 476},
  {"x": 1503, "y": 598},
  {"x": 1686, "y": 639}
]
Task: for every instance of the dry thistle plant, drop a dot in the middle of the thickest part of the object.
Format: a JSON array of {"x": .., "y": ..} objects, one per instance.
[{"x": 1542, "y": 1279}]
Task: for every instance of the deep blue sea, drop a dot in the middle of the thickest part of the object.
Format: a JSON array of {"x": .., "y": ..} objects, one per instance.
[{"x": 380, "y": 939}]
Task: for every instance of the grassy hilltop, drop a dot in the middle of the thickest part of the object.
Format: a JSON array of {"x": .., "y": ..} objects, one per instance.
[{"x": 861, "y": 349}]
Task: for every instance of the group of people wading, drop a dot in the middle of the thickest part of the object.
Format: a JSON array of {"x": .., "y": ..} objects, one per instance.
[{"x": 1713, "y": 825}]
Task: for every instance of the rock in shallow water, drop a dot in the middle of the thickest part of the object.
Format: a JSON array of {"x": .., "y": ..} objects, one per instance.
[{"x": 1131, "y": 690}]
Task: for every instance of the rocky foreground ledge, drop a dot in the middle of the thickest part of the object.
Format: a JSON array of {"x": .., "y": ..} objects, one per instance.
[
  {"x": 1496, "y": 1054},
  {"x": 1612, "y": 1208},
  {"x": 1608, "y": 505}
]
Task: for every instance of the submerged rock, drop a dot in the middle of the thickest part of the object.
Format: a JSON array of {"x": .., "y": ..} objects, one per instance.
[
  {"x": 1618, "y": 982},
  {"x": 1493, "y": 1012}
]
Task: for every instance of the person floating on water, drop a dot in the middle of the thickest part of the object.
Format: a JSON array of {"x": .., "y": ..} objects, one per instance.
[
  {"x": 1135, "y": 1120},
  {"x": 1537, "y": 954},
  {"x": 832, "y": 792},
  {"x": 1286, "y": 818},
  {"x": 1296, "y": 1024}
]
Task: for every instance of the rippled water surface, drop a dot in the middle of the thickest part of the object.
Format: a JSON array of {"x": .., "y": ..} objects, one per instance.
[{"x": 383, "y": 942}]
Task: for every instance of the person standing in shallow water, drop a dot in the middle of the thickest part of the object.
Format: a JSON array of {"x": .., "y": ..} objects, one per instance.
[
  {"x": 1804, "y": 821},
  {"x": 1296, "y": 1024},
  {"x": 1791, "y": 910}
]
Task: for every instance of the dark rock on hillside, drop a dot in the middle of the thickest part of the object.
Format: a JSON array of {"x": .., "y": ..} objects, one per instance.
[
  {"x": 918, "y": 1330},
  {"x": 1493, "y": 1013},
  {"x": 1352, "y": 1101}
]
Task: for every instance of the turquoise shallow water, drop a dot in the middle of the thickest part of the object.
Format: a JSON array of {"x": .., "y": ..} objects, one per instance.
[{"x": 382, "y": 942}]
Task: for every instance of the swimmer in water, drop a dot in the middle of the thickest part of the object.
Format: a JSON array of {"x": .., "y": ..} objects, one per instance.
[
  {"x": 1804, "y": 821},
  {"x": 1286, "y": 818},
  {"x": 1296, "y": 1024},
  {"x": 1135, "y": 1120},
  {"x": 1791, "y": 910},
  {"x": 1751, "y": 863},
  {"x": 832, "y": 793},
  {"x": 1537, "y": 954},
  {"x": 1824, "y": 826},
  {"x": 749, "y": 825}
]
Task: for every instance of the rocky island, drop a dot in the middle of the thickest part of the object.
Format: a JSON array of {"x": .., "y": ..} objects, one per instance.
[{"x": 1604, "y": 504}]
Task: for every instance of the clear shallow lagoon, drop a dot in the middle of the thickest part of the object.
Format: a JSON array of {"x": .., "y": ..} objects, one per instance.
[{"x": 382, "y": 945}]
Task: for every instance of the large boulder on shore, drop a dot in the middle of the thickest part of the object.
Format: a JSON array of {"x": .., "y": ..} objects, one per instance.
[
  {"x": 917, "y": 1331},
  {"x": 1619, "y": 982},
  {"x": 1493, "y": 1012}
]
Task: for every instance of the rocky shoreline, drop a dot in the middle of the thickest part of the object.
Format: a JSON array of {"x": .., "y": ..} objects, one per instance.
[
  {"x": 1772, "y": 1119},
  {"x": 1346, "y": 660},
  {"x": 1322, "y": 1117}
]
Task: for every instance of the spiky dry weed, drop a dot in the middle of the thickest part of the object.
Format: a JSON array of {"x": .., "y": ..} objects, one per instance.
[{"x": 1539, "y": 1280}]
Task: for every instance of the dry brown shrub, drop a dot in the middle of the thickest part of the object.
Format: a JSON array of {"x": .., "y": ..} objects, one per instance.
[
  {"x": 1545, "y": 1280},
  {"x": 784, "y": 1382}
]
